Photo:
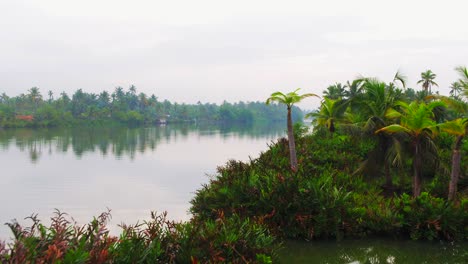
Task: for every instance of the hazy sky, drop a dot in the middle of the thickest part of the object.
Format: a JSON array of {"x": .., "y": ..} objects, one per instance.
[{"x": 189, "y": 51}]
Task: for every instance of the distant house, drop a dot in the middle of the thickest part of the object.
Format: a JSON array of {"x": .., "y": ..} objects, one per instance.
[{"x": 25, "y": 117}]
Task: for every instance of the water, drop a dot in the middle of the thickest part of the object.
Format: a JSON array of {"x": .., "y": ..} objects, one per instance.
[
  {"x": 132, "y": 171},
  {"x": 374, "y": 251}
]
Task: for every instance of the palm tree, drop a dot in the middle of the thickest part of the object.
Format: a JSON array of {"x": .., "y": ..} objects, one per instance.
[
  {"x": 455, "y": 90},
  {"x": 331, "y": 111},
  {"x": 417, "y": 123},
  {"x": 427, "y": 80},
  {"x": 51, "y": 96},
  {"x": 335, "y": 91},
  {"x": 289, "y": 100},
  {"x": 4, "y": 98},
  {"x": 353, "y": 92},
  {"x": 458, "y": 128},
  {"x": 35, "y": 97},
  {"x": 463, "y": 81},
  {"x": 400, "y": 77},
  {"x": 376, "y": 99}
]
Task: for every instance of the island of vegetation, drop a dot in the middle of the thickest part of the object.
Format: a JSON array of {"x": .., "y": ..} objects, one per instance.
[{"x": 381, "y": 160}]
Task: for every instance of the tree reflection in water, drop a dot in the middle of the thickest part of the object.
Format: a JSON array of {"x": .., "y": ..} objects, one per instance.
[
  {"x": 374, "y": 251},
  {"x": 120, "y": 141}
]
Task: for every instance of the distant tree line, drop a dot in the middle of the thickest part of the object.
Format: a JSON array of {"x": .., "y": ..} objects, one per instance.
[{"x": 33, "y": 109}]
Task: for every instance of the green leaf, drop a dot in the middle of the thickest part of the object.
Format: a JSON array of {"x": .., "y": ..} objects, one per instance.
[{"x": 394, "y": 129}]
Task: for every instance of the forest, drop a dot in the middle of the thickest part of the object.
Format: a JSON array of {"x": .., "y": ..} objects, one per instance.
[{"x": 34, "y": 109}]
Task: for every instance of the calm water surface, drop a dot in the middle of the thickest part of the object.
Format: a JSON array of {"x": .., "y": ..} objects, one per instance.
[
  {"x": 375, "y": 251},
  {"x": 132, "y": 171}
]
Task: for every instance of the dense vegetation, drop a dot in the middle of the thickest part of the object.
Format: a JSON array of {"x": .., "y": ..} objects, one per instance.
[
  {"x": 125, "y": 107},
  {"x": 381, "y": 160},
  {"x": 155, "y": 241},
  {"x": 326, "y": 198}
]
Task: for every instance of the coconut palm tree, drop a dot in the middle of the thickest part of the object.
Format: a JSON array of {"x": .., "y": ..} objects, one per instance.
[
  {"x": 335, "y": 91},
  {"x": 4, "y": 98},
  {"x": 35, "y": 97},
  {"x": 51, "y": 96},
  {"x": 400, "y": 77},
  {"x": 353, "y": 93},
  {"x": 377, "y": 98},
  {"x": 458, "y": 128},
  {"x": 331, "y": 111},
  {"x": 417, "y": 123},
  {"x": 455, "y": 90},
  {"x": 463, "y": 81},
  {"x": 427, "y": 80},
  {"x": 289, "y": 100}
]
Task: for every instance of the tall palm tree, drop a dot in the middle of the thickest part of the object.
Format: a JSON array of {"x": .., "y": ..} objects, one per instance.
[
  {"x": 35, "y": 97},
  {"x": 455, "y": 90},
  {"x": 289, "y": 100},
  {"x": 378, "y": 97},
  {"x": 458, "y": 128},
  {"x": 417, "y": 123},
  {"x": 427, "y": 80}
]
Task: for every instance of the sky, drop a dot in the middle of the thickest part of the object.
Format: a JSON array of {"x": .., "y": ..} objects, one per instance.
[{"x": 210, "y": 51}]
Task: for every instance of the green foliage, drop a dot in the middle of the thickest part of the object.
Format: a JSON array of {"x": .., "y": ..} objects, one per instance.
[
  {"x": 225, "y": 239},
  {"x": 288, "y": 99},
  {"x": 428, "y": 217},
  {"x": 128, "y": 108},
  {"x": 325, "y": 198}
]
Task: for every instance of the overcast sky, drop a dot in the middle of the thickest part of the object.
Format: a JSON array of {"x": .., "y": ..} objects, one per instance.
[{"x": 210, "y": 51}]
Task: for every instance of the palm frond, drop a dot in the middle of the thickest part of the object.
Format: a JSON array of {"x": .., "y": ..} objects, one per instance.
[
  {"x": 394, "y": 129},
  {"x": 396, "y": 153},
  {"x": 392, "y": 114},
  {"x": 401, "y": 78},
  {"x": 455, "y": 127}
]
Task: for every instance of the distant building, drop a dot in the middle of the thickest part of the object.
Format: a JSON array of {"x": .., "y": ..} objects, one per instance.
[{"x": 25, "y": 117}]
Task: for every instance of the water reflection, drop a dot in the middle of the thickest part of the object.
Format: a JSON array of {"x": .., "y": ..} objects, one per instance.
[
  {"x": 130, "y": 170},
  {"x": 121, "y": 141},
  {"x": 374, "y": 251}
]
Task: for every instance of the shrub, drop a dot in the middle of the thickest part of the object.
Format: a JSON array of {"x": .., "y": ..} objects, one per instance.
[{"x": 155, "y": 241}]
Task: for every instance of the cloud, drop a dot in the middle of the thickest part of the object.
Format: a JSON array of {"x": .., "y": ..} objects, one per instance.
[{"x": 215, "y": 50}]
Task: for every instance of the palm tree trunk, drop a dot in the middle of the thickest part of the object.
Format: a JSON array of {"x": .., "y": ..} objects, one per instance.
[
  {"x": 292, "y": 144},
  {"x": 417, "y": 171},
  {"x": 388, "y": 176},
  {"x": 456, "y": 159}
]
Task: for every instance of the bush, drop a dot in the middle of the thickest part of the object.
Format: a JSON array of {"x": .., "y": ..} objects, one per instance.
[{"x": 155, "y": 241}]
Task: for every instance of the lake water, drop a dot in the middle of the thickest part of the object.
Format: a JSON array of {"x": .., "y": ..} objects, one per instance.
[
  {"x": 132, "y": 171},
  {"x": 375, "y": 251}
]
